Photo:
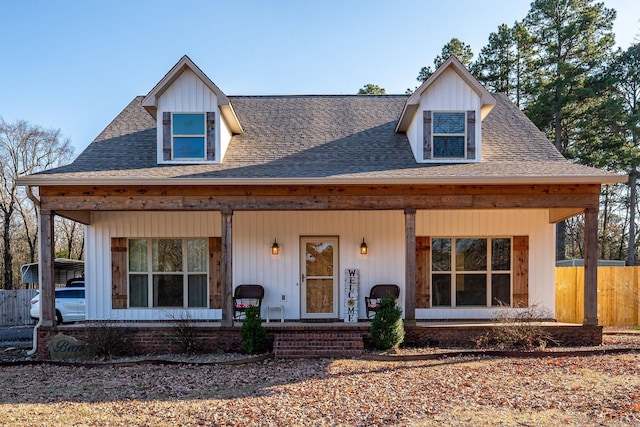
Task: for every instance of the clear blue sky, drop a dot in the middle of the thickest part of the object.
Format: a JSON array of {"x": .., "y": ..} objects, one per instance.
[{"x": 75, "y": 64}]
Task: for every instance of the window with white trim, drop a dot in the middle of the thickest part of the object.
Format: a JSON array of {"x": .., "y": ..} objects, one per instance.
[
  {"x": 188, "y": 136},
  {"x": 168, "y": 272},
  {"x": 471, "y": 271}
]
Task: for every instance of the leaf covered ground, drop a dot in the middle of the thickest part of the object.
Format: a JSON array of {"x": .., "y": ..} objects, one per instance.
[
  {"x": 459, "y": 391},
  {"x": 594, "y": 390}
]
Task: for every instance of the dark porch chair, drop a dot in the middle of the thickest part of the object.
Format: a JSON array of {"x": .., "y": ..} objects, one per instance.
[
  {"x": 375, "y": 295},
  {"x": 246, "y": 296}
]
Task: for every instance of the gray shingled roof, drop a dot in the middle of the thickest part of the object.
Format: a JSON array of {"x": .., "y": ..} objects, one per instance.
[{"x": 330, "y": 137}]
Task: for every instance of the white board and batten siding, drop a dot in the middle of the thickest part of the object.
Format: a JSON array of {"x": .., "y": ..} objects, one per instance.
[
  {"x": 254, "y": 232},
  {"x": 188, "y": 94},
  {"x": 253, "y": 235},
  {"x": 497, "y": 223},
  {"x": 106, "y": 225},
  {"x": 415, "y": 138},
  {"x": 223, "y": 133}
]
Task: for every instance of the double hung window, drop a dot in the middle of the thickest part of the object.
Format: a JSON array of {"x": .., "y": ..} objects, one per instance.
[
  {"x": 449, "y": 131},
  {"x": 450, "y": 136},
  {"x": 168, "y": 272},
  {"x": 188, "y": 136},
  {"x": 471, "y": 272}
]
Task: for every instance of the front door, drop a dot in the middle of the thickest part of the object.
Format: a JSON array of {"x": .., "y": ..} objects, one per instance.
[{"x": 320, "y": 277}]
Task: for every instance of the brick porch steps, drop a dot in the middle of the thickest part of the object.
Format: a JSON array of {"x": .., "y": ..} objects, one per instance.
[{"x": 308, "y": 343}]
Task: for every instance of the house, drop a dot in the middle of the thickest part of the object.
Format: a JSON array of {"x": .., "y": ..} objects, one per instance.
[{"x": 452, "y": 190}]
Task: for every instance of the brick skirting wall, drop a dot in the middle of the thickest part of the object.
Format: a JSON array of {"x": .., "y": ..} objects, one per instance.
[
  {"x": 160, "y": 339},
  {"x": 466, "y": 337},
  {"x": 147, "y": 339}
]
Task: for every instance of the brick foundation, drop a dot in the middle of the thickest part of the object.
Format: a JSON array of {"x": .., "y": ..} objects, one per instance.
[
  {"x": 312, "y": 340},
  {"x": 146, "y": 339},
  {"x": 467, "y": 335}
]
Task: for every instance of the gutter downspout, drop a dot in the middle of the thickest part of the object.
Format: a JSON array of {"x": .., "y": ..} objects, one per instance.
[{"x": 36, "y": 202}]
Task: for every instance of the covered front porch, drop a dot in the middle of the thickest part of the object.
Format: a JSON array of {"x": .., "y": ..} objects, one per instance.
[{"x": 241, "y": 223}]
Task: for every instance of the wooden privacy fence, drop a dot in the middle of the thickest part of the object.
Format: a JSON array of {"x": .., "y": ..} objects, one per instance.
[
  {"x": 618, "y": 295},
  {"x": 15, "y": 307}
]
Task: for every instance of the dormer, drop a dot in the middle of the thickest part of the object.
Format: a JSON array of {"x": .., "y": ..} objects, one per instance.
[
  {"x": 195, "y": 120},
  {"x": 439, "y": 118}
]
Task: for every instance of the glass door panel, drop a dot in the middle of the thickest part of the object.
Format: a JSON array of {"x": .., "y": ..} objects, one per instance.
[
  {"x": 319, "y": 296},
  {"x": 319, "y": 266}
]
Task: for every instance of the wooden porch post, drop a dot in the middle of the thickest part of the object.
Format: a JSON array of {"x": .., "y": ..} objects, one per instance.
[
  {"x": 591, "y": 266},
  {"x": 410, "y": 267},
  {"x": 226, "y": 273},
  {"x": 46, "y": 268}
]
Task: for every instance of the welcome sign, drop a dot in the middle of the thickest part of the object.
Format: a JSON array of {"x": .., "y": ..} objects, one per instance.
[{"x": 351, "y": 285}]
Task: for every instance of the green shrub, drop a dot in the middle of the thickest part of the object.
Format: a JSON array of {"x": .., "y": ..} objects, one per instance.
[
  {"x": 387, "y": 329},
  {"x": 252, "y": 332}
]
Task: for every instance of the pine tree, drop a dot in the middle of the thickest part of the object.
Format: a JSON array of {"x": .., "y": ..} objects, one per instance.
[
  {"x": 626, "y": 72},
  {"x": 504, "y": 64},
  {"x": 610, "y": 131},
  {"x": 572, "y": 40},
  {"x": 461, "y": 50},
  {"x": 371, "y": 89},
  {"x": 496, "y": 61}
]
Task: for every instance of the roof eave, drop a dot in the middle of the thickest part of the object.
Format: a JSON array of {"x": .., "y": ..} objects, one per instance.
[
  {"x": 231, "y": 119},
  {"x": 41, "y": 180},
  {"x": 405, "y": 118}
]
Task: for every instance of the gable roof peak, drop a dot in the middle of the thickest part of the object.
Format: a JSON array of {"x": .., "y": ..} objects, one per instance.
[
  {"x": 150, "y": 101},
  {"x": 453, "y": 63}
]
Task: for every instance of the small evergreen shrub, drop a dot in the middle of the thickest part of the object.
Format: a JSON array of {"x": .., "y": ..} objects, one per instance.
[
  {"x": 252, "y": 332},
  {"x": 387, "y": 329}
]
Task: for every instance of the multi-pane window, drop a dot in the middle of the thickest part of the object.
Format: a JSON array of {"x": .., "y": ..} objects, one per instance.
[
  {"x": 168, "y": 272},
  {"x": 449, "y": 131},
  {"x": 188, "y": 136},
  {"x": 470, "y": 272}
]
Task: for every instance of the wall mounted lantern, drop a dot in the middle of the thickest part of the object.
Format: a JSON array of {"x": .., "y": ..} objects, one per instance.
[
  {"x": 363, "y": 247},
  {"x": 275, "y": 249}
]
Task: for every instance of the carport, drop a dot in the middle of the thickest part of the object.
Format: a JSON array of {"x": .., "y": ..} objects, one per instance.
[{"x": 64, "y": 269}]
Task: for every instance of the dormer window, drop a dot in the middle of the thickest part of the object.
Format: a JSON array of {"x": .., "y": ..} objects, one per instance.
[
  {"x": 195, "y": 118},
  {"x": 439, "y": 118},
  {"x": 188, "y": 137},
  {"x": 449, "y": 135}
]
